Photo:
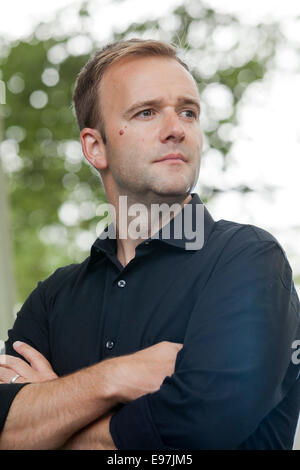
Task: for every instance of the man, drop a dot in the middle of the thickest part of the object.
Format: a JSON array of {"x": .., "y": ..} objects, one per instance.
[{"x": 154, "y": 342}]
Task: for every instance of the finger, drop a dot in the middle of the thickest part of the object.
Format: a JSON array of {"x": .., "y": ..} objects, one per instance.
[
  {"x": 34, "y": 357},
  {"x": 10, "y": 362},
  {"x": 7, "y": 374}
]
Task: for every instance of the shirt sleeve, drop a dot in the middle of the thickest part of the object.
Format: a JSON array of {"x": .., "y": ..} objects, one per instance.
[
  {"x": 235, "y": 365},
  {"x": 31, "y": 327}
]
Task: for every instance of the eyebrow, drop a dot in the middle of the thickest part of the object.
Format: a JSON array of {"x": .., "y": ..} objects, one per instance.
[{"x": 182, "y": 100}]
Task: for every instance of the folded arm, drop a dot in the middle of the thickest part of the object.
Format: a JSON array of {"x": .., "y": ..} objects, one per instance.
[
  {"x": 52, "y": 412},
  {"x": 235, "y": 365}
]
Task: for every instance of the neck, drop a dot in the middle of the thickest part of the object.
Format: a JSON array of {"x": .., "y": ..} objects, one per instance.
[{"x": 139, "y": 218}]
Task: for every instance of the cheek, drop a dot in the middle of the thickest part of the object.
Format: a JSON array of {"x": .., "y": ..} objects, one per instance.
[
  {"x": 198, "y": 142},
  {"x": 129, "y": 145},
  {"x": 201, "y": 138},
  {"x": 121, "y": 131}
]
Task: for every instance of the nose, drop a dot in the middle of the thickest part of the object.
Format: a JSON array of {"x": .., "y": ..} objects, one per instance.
[{"x": 172, "y": 128}]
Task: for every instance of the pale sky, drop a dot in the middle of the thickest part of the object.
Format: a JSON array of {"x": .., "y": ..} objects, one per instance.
[
  {"x": 18, "y": 16},
  {"x": 266, "y": 143}
]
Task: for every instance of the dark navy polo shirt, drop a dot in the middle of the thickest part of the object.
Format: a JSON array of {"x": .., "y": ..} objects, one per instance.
[{"x": 231, "y": 302}]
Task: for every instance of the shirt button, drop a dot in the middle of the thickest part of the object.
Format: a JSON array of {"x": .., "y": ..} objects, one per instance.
[
  {"x": 122, "y": 283},
  {"x": 109, "y": 344},
  {"x": 147, "y": 243}
]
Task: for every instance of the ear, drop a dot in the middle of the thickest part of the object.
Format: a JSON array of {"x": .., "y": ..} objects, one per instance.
[{"x": 93, "y": 148}]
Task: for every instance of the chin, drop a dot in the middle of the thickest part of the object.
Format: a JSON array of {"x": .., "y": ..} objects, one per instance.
[
  {"x": 174, "y": 190},
  {"x": 177, "y": 187}
]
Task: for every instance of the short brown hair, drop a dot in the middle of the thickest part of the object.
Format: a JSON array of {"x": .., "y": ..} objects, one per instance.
[{"x": 85, "y": 96}]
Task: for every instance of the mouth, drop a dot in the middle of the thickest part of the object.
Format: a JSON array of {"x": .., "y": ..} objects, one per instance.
[{"x": 172, "y": 158}]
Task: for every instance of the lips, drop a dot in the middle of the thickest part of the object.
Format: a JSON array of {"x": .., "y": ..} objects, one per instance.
[{"x": 172, "y": 157}]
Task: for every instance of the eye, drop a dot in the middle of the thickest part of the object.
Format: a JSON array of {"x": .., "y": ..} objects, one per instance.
[
  {"x": 145, "y": 113},
  {"x": 190, "y": 113}
]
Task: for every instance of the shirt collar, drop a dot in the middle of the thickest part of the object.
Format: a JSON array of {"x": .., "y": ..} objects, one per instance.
[{"x": 193, "y": 219}]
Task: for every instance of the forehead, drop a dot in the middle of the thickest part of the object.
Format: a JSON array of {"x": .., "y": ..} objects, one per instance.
[{"x": 144, "y": 78}]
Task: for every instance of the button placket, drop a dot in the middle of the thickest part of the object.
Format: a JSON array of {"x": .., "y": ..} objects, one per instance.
[{"x": 110, "y": 344}]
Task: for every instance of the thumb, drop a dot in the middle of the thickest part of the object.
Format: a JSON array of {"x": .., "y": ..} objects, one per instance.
[{"x": 33, "y": 356}]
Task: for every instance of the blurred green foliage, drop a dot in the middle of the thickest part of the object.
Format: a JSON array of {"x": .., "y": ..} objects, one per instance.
[{"x": 40, "y": 152}]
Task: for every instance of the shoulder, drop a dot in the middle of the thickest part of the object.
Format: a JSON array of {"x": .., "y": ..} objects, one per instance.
[
  {"x": 250, "y": 247},
  {"x": 244, "y": 232},
  {"x": 240, "y": 236},
  {"x": 61, "y": 277}
]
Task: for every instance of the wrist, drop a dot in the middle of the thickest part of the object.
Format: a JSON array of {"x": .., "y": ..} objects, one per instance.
[
  {"x": 109, "y": 372},
  {"x": 114, "y": 372}
]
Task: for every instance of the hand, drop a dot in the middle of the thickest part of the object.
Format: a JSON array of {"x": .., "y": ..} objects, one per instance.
[
  {"x": 144, "y": 371},
  {"x": 39, "y": 370}
]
